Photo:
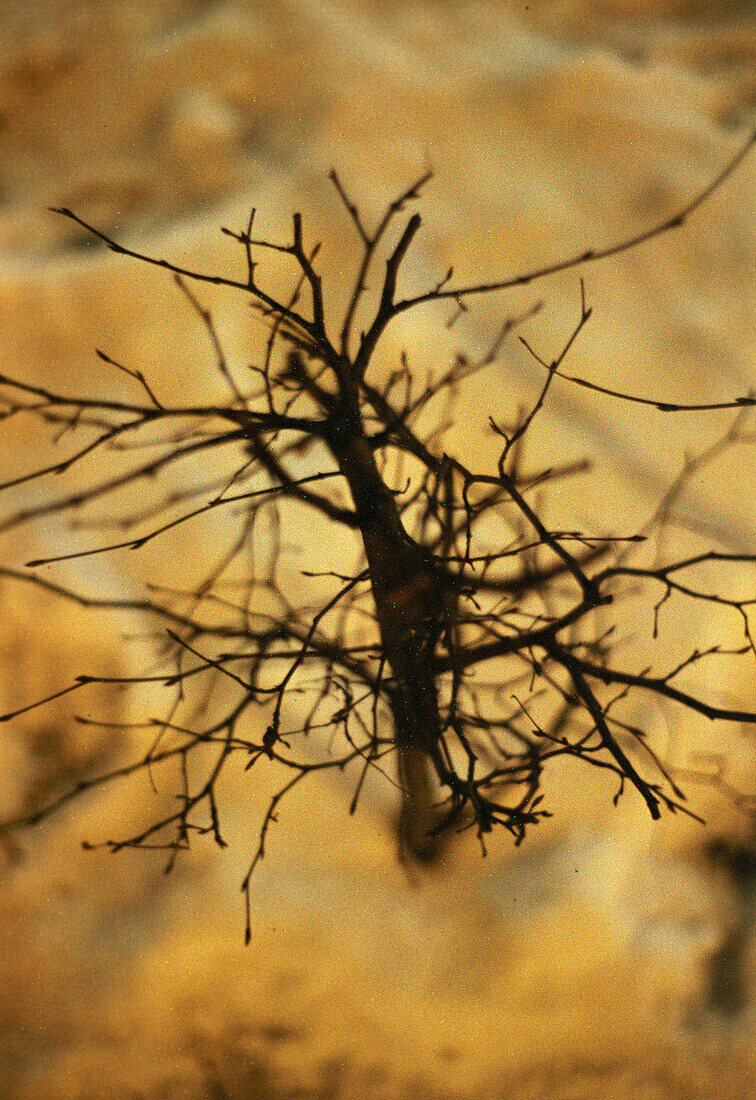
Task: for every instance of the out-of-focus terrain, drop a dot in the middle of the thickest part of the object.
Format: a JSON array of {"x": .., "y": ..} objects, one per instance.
[{"x": 609, "y": 956}]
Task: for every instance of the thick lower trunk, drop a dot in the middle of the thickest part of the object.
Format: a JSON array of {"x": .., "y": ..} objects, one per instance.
[
  {"x": 419, "y": 814},
  {"x": 409, "y": 600},
  {"x": 418, "y": 729}
]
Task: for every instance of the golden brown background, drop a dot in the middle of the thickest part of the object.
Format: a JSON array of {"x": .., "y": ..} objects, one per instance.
[{"x": 607, "y": 958}]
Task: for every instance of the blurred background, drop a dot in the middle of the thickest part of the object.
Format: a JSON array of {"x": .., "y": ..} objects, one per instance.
[{"x": 607, "y": 957}]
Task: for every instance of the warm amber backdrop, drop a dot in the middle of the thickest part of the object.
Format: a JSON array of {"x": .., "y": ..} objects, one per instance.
[{"x": 578, "y": 967}]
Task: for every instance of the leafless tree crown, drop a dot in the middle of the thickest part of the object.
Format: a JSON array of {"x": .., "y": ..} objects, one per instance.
[{"x": 472, "y": 656}]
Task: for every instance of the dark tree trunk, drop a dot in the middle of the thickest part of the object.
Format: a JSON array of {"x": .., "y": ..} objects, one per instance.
[{"x": 410, "y": 600}]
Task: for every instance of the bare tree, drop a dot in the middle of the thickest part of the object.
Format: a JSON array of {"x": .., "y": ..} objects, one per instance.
[{"x": 476, "y": 661}]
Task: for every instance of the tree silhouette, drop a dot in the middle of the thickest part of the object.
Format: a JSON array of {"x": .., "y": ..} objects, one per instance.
[{"x": 475, "y": 660}]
